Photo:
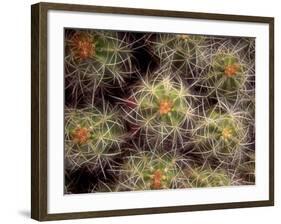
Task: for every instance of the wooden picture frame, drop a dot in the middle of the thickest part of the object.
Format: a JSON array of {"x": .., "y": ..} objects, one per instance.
[{"x": 39, "y": 109}]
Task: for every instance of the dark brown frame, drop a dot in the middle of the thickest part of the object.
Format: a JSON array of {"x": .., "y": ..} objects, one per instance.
[{"x": 39, "y": 110}]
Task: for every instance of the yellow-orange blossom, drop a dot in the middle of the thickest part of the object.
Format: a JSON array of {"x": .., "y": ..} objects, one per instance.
[
  {"x": 231, "y": 70},
  {"x": 226, "y": 134},
  {"x": 81, "y": 135},
  {"x": 165, "y": 106}
]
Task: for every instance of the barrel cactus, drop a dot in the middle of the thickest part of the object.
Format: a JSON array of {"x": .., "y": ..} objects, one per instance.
[
  {"x": 162, "y": 108},
  {"x": 226, "y": 77},
  {"x": 92, "y": 137},
  {"x": 148, "y": 171},
  {"x": 221, "y": 133},
  {"x": 180, "y": 52},
  {"x": 96, "y": 60}
]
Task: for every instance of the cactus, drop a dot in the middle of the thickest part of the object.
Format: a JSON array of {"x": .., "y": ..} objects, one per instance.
[
  {"x": 92, "y": 136},
  {"x": 180, "y": 52},
  {"x": 199, "y": 177},
  {"x": 148, "y": 171},
  {"x": 227, "y": 75},
  {"x": 96, "y": 61},
  {"x": 162, "y": 108},
  {"x": 221, "y": 133}
]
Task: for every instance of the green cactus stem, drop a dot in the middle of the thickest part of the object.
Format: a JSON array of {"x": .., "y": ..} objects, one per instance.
[
  {"x": 227, "y": 76},
  {"x": 148, "y": 171},
  {"x": 178, "y": 51},
  {"x": 162, "y": 108},
  {"x": 220, "y": 133},
  {"x": 92, "y": 136},
  {"x": 96, "y": 61}
]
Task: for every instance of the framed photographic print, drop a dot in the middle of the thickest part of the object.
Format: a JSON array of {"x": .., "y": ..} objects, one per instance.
[{"x": 138, "y": 111}]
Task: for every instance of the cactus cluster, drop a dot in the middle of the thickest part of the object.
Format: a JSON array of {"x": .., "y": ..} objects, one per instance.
[{"x": 154, "y": 111}]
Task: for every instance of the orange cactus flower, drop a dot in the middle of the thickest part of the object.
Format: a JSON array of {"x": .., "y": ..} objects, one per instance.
[
  {"x": 82, "y": 46},
  {"x": 156, "y": 182},
  {"x": 231, "y": 70},
  {"x": 80, "y": 135},
  {"x": 165, "y": 106}
]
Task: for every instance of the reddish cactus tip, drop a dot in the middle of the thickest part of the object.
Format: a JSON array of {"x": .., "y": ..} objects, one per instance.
[
  {"x": 231, "y": 70},
  {"x": 81, "y": 135},
  {"x": 82, "y": 46},
  {"x": 156, "y": 180},
  {"x": 165, "y": 106}
]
